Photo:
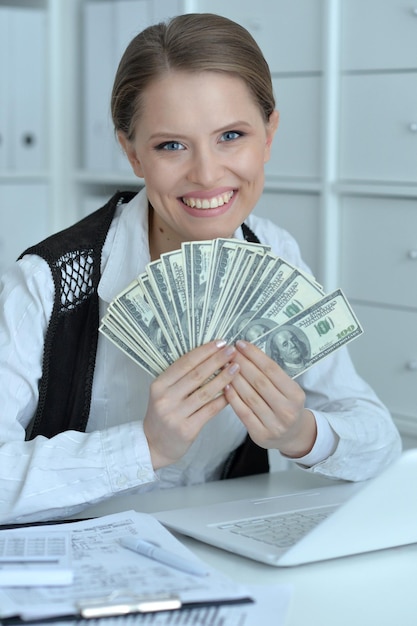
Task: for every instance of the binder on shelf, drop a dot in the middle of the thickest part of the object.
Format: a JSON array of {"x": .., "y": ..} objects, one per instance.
[
  {"x": 23, "y": 68},
  {"x": 99, "y": 69},
  {"x": 108, "y": 28},
  {"x": 131, "y": 16},
  {"x": 4, "y": 87},
  {"x": 29, "y": 67}
]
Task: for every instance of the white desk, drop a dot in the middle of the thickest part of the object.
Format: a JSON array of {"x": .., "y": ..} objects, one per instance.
[{"x": 376, "y": 589}]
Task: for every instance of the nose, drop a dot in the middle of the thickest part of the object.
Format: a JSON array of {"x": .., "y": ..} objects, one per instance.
[{"x": 206, "y": 167}]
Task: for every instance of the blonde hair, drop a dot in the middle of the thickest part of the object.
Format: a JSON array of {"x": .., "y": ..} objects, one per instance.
[{"x": 194, "y": 42}]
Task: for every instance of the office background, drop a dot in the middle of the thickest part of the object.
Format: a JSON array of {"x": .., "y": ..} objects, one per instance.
[{"x": 342, "y": 178}]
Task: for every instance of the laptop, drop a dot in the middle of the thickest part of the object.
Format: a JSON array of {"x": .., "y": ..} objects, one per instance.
[{"x": 329, "y": 522}]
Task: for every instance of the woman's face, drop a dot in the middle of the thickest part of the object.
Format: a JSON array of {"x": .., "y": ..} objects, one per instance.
[{"x": 200, "y": 144}]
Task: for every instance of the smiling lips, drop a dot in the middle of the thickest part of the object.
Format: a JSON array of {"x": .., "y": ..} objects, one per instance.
[{"x": 206, "y": 203}]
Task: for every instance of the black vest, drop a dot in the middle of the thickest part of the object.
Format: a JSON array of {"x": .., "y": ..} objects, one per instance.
[{"x": 74, "y": 257}]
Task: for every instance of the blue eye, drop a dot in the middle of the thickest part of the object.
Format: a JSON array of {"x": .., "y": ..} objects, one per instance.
[
  {"x": 230, "y": 135},
  {"x": 171, "y": 146}
]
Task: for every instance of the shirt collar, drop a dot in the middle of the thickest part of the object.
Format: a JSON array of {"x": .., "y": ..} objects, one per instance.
[{"x": 126, "y": 249}]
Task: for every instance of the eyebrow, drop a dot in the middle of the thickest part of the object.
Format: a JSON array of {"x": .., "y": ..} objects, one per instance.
[{"x": 166, "y": 133}]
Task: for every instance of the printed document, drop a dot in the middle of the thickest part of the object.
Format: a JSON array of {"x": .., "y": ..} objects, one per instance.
[{"x": 105, "y": 572}]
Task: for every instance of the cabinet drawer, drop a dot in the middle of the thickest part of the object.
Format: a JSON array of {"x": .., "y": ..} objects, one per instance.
[
  {"x": 299, "y": 214},
  {"x": 378, "y": 250},
  {"x": 379, "y": 35},
  {"x": 289, "y": 32},
  {"x": 386, "y": 356},
  {"x": 296, "y": 147},
  {"x": 378, "y": 130}
]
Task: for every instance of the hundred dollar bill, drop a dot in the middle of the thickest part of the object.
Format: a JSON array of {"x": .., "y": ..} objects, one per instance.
[
  {"x": 275, "y": 273},
  {"x": 173, "y": 264},
  {"x": 226, "y": 255},
  {"x": 133, "y": 300},
  {"x": 160, "y": 299},
  {"x": 244, "y": 268},
  {"x": 149, "y": 367},
  {"x": 121, "y": 325},
  {"x": 198, "y": 256},
  {"x": 264, "y": 284},
  {"x": 294, "y": 295},
  {"x": 311, "y": 335},
  {"x": 222, "y": 259}
]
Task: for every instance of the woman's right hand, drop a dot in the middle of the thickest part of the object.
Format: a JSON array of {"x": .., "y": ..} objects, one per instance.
[{"x": 184, "y": 398}]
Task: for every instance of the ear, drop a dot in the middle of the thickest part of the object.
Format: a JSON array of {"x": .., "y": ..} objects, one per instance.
[
  {"x": 271, "y": 128},
  {"x": 130, "y": 151}
]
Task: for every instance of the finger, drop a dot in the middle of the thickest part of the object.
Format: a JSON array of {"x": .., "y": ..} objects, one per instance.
[
  {"x": 250, "y": 406},
  {"x": 253, "y": 423},
  {"x": 205, "y": 413},
  {"x": 212, "y": 389},
  {"x": 269, "y": 371},
  {"x": 190, "y": 361},
  {"x": 204, "y": 371}
]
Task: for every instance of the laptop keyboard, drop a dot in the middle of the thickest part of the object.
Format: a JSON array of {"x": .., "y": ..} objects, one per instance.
[{"x": 282, "y": 530}]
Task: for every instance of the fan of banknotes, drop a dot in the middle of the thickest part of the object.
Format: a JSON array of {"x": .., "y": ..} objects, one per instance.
[{"x": 227, "y": 289}]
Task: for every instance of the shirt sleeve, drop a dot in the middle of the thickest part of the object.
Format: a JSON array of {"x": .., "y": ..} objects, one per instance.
[
  {"x": 46, "y": 478},
  {"x": 324, "y": 446},
  {"x": 362, "y": 439}
]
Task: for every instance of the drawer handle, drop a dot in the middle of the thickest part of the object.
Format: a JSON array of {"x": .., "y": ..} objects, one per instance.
[
  {"x": 412, "y": 127},
  {"x": 412, "y": 255},
  {"x": 411, "y": 365}
]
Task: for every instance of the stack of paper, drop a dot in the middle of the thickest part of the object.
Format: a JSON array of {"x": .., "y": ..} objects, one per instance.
[{"x": 110, "y": 579}]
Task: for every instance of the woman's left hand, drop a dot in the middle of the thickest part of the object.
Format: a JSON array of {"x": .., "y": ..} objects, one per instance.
[{"x": 270, "y": 403}]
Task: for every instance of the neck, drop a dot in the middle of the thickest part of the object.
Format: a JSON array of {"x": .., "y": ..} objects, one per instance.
[{"x": 161, "y": 239}]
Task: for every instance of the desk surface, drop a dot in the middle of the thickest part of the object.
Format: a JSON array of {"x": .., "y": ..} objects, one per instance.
[{"x": 371, "y": 589}]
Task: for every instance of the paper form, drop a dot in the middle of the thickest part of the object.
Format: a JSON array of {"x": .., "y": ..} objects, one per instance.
[{"x": 102, "y": 567}]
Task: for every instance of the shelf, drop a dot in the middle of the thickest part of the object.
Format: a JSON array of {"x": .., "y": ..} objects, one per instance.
[{"x": 23, "y": 177}]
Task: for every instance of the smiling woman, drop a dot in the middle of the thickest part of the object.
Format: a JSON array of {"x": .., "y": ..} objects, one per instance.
[
  {"x": 202, "y": 157},
  {"x": 194, "y": 110}
]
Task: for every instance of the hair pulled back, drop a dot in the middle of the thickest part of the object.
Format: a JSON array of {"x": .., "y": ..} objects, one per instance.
[{"x": 192, "y": 42}]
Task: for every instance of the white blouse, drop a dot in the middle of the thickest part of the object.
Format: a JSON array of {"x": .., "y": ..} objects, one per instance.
[{"x": 56, "y": 477}]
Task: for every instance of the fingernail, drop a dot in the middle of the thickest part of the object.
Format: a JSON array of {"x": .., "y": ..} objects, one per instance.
[
  {"x": 230, "y": 350},
  {"x": 233, "y": 368},
  {"x": 221, "y": 343},
  {"x": 241, "y": 344}
]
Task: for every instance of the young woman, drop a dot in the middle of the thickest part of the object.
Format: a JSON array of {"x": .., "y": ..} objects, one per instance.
[{"x": 194, "y": 111}]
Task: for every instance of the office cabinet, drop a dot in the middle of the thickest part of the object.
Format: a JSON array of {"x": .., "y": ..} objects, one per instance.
[
  {"x": 378, "y": 130},
  {"x": 289, "y": 210},
  {"x": 387, "y": 357},
  {"x": 377, "y": 205},
  {"x": 288, "y": 32},
  {"x": 378, "y": 250},
  {"x": 378, "y": 35},
  {"x": 342, "y": 177}
]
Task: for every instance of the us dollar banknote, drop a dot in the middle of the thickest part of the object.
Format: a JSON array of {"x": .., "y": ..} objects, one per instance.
[
  {"x": 312, "y": 334},
  {"x": 227, "y": 289}
]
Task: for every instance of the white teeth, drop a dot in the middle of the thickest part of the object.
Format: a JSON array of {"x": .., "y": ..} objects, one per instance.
[{"x": 199, "y": 203}]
